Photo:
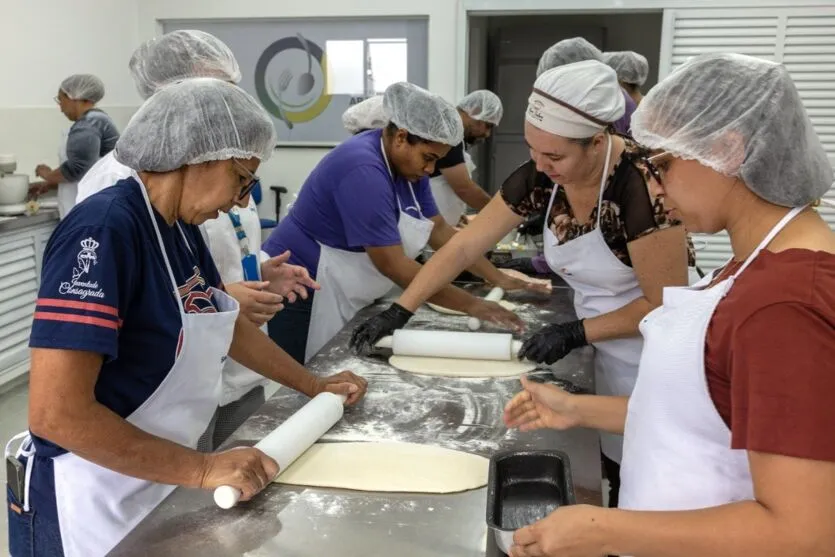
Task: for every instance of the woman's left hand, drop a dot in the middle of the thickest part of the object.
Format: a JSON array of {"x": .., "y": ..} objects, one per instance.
[
  {"x": 289, "y": 281},
  {"x": 344, "y": 383},
  {"x": 572, "y": 531}
]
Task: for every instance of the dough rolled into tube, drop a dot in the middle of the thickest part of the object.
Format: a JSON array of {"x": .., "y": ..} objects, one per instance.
[
  {"x": 452, "y": 344},
  {"x": 291, "y": 439},
  {"x": 496, "y": 294}
]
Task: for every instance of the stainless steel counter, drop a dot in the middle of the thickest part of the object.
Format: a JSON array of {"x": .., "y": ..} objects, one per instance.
[
  {"x": 462, "y": 414},
  {"x": 10, "y": 224}
]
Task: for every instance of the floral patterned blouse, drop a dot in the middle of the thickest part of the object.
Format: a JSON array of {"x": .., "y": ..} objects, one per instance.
[{"x": 628, "y": 210}]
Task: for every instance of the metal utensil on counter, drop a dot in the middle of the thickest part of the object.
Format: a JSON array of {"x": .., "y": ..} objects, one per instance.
[
  {"x": 284, "y": 80},
  {"x": 306, "y": 80}
]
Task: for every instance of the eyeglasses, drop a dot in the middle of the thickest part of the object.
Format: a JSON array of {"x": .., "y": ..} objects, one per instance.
[
  {"x": 654, "y": 171},
  {"x": 254, "y": 181}
]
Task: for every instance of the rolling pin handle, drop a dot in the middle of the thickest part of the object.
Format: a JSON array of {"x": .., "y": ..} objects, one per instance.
[
  {"x": 515, "y": 347},
  {"x": 385, "y": 342},
  {"x": 227, "y": 496}
]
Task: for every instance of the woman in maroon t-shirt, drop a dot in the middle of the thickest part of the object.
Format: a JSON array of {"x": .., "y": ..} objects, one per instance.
[{"x": 728, "y": 443}]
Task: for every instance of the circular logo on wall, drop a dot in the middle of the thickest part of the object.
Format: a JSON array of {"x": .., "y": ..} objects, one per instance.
[{"x": 291, "y": 80}]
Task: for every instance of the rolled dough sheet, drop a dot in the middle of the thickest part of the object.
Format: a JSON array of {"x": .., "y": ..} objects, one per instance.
[
  {"x": 391, "y": 467},
  {"x": 440, "y": 309},
  {"x": 454, "y": 367},
  {"x": 542, "y": 284}
]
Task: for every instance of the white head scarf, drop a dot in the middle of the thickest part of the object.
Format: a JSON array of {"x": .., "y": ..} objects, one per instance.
[{"x": 576, "y": 100}]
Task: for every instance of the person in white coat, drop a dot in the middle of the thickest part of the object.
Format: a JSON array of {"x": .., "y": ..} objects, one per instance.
[
  {"x": 728, "y": 448},
  {"x": 173, "y": 57},
  {"x": 452, "y": 183},
  {"x": 132, "y": 328},
  {"x": 91, "y": 137},
  {"x": 604, "y": 234}
]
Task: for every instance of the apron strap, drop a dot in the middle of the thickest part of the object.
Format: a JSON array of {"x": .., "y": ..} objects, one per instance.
[
  {"x": 150, "y": 209},
  {"x": 787, "y": 218},
  {"x": 239, "y": 231},
  {"x": 391, "y": 175}
]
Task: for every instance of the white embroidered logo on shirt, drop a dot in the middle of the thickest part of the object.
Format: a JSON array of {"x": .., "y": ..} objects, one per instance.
[{"x": 86, "y": 260}]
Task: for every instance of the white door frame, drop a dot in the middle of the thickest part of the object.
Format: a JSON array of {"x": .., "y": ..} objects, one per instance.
[{"x": 467, "y": 8}]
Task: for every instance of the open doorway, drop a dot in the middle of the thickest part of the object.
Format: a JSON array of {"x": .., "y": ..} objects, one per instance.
[{"x": 503, "y": 55}]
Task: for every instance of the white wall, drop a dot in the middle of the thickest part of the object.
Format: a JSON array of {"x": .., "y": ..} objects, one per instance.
[
  {"x": 290, "y": 166},
  {"x": 44, "y": 41}
]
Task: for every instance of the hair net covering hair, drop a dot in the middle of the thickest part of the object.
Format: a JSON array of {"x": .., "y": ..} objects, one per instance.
[
  {"x": 423, "y": 114},
  {"x": 568, "y": 51},
  {"x": 631, "y": 67},
  {"x": 181, "y": 55},
  {"x": 483, "y": 105},
  {"x": 367, "y": 115},
  {"x": 576, "y": 100},
  {"x": 83, "y": 87},
  {"x": 196, "y": 121},
  {"x": 743, "y": 117}
]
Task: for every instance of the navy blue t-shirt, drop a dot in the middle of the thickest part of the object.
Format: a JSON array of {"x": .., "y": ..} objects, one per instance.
[{"x": 105, "y": 289}]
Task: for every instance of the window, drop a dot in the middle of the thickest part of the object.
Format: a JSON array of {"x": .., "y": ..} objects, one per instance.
[{"x": 363, "y": 68}]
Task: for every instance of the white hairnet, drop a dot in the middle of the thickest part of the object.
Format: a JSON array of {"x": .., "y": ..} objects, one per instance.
[
  {"x": 576, "y": 100},
  {"x": 483, "y": 105},
  {"x": 366, "y": 115},
  {"x": 83, "y": 87},
  {"x": 743, "y": 117},
  {"x": 568, "y": 51},
  {"x": 181, "y": 55},
  {"x": 194, "y": 121},
  {"x": 631, "y": 67},
  {"x": 423, "y": 114}
]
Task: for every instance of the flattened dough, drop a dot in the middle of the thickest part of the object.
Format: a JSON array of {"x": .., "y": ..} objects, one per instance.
[
  {"x": 543, "y": 284},
  {"x": 454, "y": 367},
  {"x": 440, "y": 309},
  {"x": 391, "y": 467}
]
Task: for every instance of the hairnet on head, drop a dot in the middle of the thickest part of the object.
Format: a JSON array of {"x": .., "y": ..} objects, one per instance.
[
  {"x": 743, "y": 117},
  {"x": 196, "y": 121},
  {"x": 367, "y": 115},
  {"x": 423, "y": 114},
  {"x": 83, "y": 87},
  {"x": 483, "y": 105},
  {"x": 181, "y": 55},
  {"x": 631, "y": 67},
  {"x": 577, "y": 100},
  {"x": 568, "y": 51}
]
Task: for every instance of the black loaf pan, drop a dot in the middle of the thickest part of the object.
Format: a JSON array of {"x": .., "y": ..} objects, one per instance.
[{"x": 524, "y": 487}]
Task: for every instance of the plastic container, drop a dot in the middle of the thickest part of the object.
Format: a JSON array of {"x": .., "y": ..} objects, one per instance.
[{"x": 524, "y": 487}]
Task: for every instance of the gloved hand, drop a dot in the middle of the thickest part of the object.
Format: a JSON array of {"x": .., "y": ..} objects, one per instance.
[
  {"x": 533, "y": 226},
  {"x": 554, "y": 342},
  {"x": 384, "y": 323},
  {"x": 521, "y": 264}
]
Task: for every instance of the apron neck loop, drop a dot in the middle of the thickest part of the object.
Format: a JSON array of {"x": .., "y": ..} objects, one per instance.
[
  {"x": 604, "y": 179},
  {"x": 787, "y": 218},
  {"x": 391, "y": 175}
]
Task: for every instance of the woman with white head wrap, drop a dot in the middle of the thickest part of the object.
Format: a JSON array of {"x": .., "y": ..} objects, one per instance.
[
  {"x": 92, "y": 136},
  {"x": 632, "y": 69},
  {"x": 605, "y": 235},
  {"x": 732, "y": 409},
  {"x": 133, "y": 326},
  {"x": 452, "y": 184},
  {"x": 156, "y": 63},
  {"x": 362, "y": 217}
]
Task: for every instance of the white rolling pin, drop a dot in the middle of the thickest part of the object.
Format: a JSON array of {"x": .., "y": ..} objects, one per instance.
[
  {"x": 291, "y": 439},
  {"x": 452, "y": 344},
  {"x": 474, "y": 323}
]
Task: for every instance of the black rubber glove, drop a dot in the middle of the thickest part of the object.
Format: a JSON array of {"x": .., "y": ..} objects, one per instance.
[
  {"x": 384, "y": 323},
  {"x": 532, "y": 226},
  {"x": 554, "y": 342},
  {"x": 521, "y": 264}
]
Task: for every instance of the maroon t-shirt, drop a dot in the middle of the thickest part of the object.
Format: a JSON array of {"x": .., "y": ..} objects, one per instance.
[{"x": 770, "y": 355}]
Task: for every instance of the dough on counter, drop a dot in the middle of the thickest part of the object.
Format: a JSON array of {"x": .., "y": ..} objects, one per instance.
[
  {"x": 440, "y": 309},
  {"x": 456, "y": 367},
  {"x": 391, "y": 467},
  {"x": 541, "y": 284}
]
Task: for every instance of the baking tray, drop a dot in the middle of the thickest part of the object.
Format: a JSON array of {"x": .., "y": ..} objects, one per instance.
[{"x": 524, "y": 487}]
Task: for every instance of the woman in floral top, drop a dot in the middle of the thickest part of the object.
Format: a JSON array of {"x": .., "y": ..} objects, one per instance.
[{"x": 605, "y": 234}]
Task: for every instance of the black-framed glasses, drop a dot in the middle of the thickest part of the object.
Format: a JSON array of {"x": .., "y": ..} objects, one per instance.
[
  {"x": 654, "y": 171},
  {"x": 254, "y": 181}
]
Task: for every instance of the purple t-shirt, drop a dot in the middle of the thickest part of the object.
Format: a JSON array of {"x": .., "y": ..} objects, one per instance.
[
  {"x": 348, "y": 202},
  {"x": 624, "y": 125}
]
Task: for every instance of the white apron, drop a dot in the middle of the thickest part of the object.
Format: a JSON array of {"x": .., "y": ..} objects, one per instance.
[
  {"x": 98, "y": 507},
  {"x": 450, "y": 206},
  {"x": 674, "y": 434},
  {"x": 350, "y": 281},
  {"x": 67, "y": 191},
  {"x": 602, "y": 284}
]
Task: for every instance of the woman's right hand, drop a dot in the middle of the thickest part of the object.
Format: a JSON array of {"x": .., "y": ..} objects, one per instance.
[
  {"x": 258, "y": 304},
  {"x": 245, "y": 468},
  {"x": 492, "y": 312},
  {"x": 541, "y": 406}
]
